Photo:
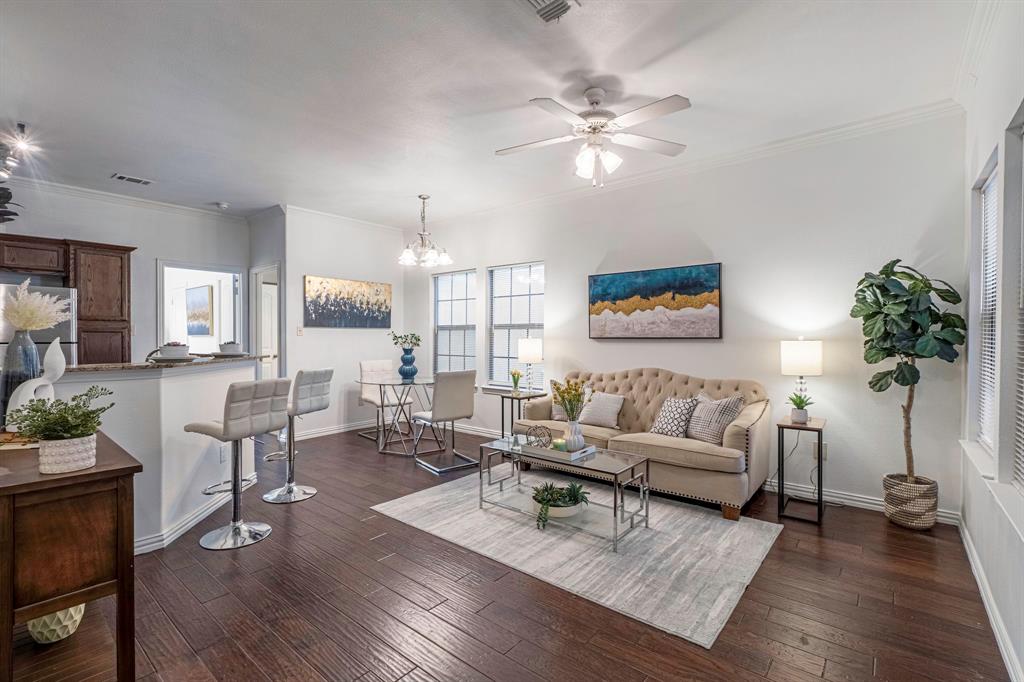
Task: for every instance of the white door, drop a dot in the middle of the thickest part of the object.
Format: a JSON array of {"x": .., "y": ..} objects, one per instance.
[{"x": 268, "y": 330}]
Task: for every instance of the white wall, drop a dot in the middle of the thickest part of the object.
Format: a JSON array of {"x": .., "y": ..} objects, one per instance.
[
  {"x": 157, "y": 230},
  {"x": 993, "y": 511},
  {"x": 794, "y": 233},
  {"x": 333, "y": 246},
  {"x": 267, "y": 247}
]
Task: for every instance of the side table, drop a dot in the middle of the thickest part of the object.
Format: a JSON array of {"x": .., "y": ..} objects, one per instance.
[
  {"x": 515, "y": 403},
  {"x": 814, "y": 425}
]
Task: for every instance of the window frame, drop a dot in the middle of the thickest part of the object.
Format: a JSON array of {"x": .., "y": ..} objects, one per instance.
[
  {"x": 468, "y": 329},
  {"x": 532, "y": 329},
  {"x": 988, "y": 234}
]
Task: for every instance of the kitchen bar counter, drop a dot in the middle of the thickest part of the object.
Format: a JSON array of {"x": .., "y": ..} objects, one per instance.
[
  {"x": 152, "y": 404},
  {"x": 123, "y": 366}
]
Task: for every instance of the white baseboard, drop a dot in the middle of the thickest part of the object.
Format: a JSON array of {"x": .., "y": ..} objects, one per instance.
[
  {"x": 337, "y": 428},
  {"x": 852, "y": 499},
  {"x": 1003, "y": 640},
  {"x": 477, "y": 431},
  {"x": 160, "y": 540}
]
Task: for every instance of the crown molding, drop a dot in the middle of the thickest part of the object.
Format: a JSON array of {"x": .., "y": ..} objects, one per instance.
[
  {"x": 869, "y": 126},
  {"x": 110, "y": 197},
  {"x": 359, "y": 222},
  {"x": 979, "y": 28}
]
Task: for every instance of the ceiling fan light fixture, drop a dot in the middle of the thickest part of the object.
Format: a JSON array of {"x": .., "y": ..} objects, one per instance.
[
  {"x": 610, "y": 160},
  {"x": 11, "y": 161}
]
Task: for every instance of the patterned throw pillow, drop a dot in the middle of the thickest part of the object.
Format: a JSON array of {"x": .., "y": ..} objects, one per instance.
[
  {"x": 602, "y": 410},
  {"x": 711, "y": 418},
  {"x": 674, "y": 416}
]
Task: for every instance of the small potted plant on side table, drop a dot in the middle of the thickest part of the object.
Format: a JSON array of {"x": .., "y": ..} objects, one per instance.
[
  {"x": 800, "y": 403},
  {"x": 551, "y": 501},
  {"x": 66, "y": 430},
  {"x": 516, "y": 375}
]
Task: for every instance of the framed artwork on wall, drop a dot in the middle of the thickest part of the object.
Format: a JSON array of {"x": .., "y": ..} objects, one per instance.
[
  {"x": 345, "y": 303},
  {"x": 199, "y": 310},
  {"x": 667, "y": 303}
]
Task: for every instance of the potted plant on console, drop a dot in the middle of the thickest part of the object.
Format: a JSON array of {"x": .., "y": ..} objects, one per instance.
[
  {"x": 407, "y": 342},
  {"x": 66, "y": 430},
  {"x": 902, "y": 321}
]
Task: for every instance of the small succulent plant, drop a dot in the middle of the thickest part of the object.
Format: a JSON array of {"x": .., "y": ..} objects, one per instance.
[{"x": 549, "y": 495}]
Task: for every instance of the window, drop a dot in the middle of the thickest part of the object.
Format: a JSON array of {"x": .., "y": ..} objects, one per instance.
[
  {"x": 987, "y": 365},
  {"x": 516, "y": 311},
  {"x": 455, "y": 321}
]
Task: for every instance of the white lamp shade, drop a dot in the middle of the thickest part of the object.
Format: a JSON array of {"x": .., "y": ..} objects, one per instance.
[
  {"x": 531, "y": 351},
  {"x": 801, "y": 358}
]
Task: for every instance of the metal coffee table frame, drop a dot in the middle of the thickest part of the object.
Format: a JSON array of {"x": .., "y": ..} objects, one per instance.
[{"x": 621, "y": 481}]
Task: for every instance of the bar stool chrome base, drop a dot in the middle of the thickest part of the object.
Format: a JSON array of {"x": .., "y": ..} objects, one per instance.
[
  {"x": 238, "y": 534},
  {"x": 289, "y": 493}
]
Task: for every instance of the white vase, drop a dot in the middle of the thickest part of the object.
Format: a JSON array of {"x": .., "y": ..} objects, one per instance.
[
  {"x": 574, "y": 437},
  {"x": 56, "y": 626},
  {"x": 62, "y": 456}
]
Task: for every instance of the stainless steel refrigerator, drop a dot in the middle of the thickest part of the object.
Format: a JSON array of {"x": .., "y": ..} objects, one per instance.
[{"x": 67, "y": 331}]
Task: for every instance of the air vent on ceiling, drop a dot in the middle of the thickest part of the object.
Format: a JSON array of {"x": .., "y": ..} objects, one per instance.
[
  {"x": 131, "y": 179},
  {"x": 550, "y": 10}
]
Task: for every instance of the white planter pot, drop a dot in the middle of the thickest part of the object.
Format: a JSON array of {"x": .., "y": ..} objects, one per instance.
[
  {"x": 56, "y": 626},
  {"x": 230, "y": 348},
  {"x": 173, "y": 351},
  {"x": 559, "y": 512},
  {"x": 798, "y": 416},
  {"x": 62, "y": 456}
]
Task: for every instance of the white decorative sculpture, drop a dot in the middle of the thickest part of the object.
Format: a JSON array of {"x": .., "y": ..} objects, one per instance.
[{"x": 54, "y": 365}]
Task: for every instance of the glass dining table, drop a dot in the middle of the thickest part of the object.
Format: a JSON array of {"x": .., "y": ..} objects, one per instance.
[{"x": 400, "y": 393}]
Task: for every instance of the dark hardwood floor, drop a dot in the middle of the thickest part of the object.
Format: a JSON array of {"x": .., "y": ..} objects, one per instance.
[{"x": 339, "y": 593}]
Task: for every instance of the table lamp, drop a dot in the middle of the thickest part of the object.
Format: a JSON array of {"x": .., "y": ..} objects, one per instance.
[
  {"x": 530, "y": 351},
  {"x": 801, "y": 359}
]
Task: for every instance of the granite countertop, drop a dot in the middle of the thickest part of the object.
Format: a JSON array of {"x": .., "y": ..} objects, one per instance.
[{"x": 124, "y": 366}]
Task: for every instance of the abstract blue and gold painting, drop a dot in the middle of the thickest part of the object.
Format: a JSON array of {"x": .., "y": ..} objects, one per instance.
[{"x": 668, "y": 303}]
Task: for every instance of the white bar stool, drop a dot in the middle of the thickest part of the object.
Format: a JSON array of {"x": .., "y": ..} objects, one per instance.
[
  {"x": 251, "y": 408},
  {"x": 311, "y": 392}
]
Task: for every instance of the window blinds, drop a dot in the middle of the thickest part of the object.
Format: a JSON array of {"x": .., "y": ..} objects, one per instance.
[
  {"x": 516, "y": 311},
  {"x": 455, "y": 321},
  {"x": 987, "y": 365}
]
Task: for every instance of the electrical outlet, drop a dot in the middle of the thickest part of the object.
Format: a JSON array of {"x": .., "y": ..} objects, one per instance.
[
  {"x": 298, "y": 331},
  {"x": 812, "y": 450}
]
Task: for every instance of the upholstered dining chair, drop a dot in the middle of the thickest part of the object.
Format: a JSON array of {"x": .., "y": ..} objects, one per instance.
[
  {"x": 453, "y": 399},
  {"x": 370, "y": 370}
]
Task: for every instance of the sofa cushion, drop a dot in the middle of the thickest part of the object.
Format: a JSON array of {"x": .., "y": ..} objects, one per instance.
[
  {"x": 674, "y": 417},
  {"x": 602, "y": 410},
  {"x": 684, "y": 452},
  {"x": 593, "y": 435},
  {"x": 712, "y": 418}
]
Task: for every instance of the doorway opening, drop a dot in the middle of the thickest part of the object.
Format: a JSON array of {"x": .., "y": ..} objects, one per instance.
[
  {"x": 199, "y": 306},
  {"x": 266, "y": 317}
]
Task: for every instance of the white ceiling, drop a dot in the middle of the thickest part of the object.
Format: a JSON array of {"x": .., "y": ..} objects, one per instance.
[{"x": 355, "y": 107}]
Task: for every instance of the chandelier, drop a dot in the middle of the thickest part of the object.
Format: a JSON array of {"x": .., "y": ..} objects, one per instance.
[{"x": 424, "y": 251}]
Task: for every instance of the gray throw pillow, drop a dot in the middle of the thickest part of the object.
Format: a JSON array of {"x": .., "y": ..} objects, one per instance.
[
  {"x": 711, "y": 418},
  {"x": 602, "y": 410},
  {"x": 674, "y": 416}
]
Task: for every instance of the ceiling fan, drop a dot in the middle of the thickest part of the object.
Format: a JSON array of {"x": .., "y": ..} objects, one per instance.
[{"x": 597, "y": 127}]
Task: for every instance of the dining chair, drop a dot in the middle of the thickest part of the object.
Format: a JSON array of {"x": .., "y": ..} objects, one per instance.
[
  {"x": 372, "y": 370},
  {"x": 453, "y": 399}
]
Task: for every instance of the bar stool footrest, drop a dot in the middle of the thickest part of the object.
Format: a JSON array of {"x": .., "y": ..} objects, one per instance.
[
  {"x": 275, "y": 456},
  {"x": 218, "y": 488}
]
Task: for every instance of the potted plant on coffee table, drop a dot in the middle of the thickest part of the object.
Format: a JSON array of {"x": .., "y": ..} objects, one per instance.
[
  {"x": 901, "y": 320},
  {"x": 551, "y": 501}
]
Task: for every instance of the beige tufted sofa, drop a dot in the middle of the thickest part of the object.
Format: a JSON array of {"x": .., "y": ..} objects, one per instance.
[{"x": 728, "y": 474}]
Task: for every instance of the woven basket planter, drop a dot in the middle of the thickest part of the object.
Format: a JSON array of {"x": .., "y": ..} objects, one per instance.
[{"x": 911, "y": 505}]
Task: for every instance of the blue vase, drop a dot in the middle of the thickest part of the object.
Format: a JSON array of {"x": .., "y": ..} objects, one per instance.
[
  {"x": 408, "y": 369},
  {"x": 21, "y": 363}
]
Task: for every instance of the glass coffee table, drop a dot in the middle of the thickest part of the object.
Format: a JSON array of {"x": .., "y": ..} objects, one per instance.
[{"x": 628, "y": 474}]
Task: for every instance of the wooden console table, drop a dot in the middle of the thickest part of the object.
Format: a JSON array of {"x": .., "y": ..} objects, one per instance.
[{"x": 66, "y": 539}]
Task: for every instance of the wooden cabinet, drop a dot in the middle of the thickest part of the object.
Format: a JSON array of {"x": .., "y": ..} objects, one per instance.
[
  {"x": 33, "y": 254},
  {"x": 102, "y": 275}
]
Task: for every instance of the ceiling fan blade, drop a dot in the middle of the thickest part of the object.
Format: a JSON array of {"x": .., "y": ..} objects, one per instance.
[
  {"x": 535, "y": 145},
  {"x": 648, "y": 144},
  {"x": 552, "y": 107},
  {"x": 662, "y": 107}
]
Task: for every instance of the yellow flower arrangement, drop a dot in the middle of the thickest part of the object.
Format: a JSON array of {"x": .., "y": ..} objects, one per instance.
[{"x": 571, "y": 397}]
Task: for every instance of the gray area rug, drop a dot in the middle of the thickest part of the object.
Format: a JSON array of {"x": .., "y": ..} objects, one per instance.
[{"x": 684, "y": 574}]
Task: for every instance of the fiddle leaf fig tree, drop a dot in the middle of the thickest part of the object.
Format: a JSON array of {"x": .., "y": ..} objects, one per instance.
[{"x": 902, "y": 320}]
